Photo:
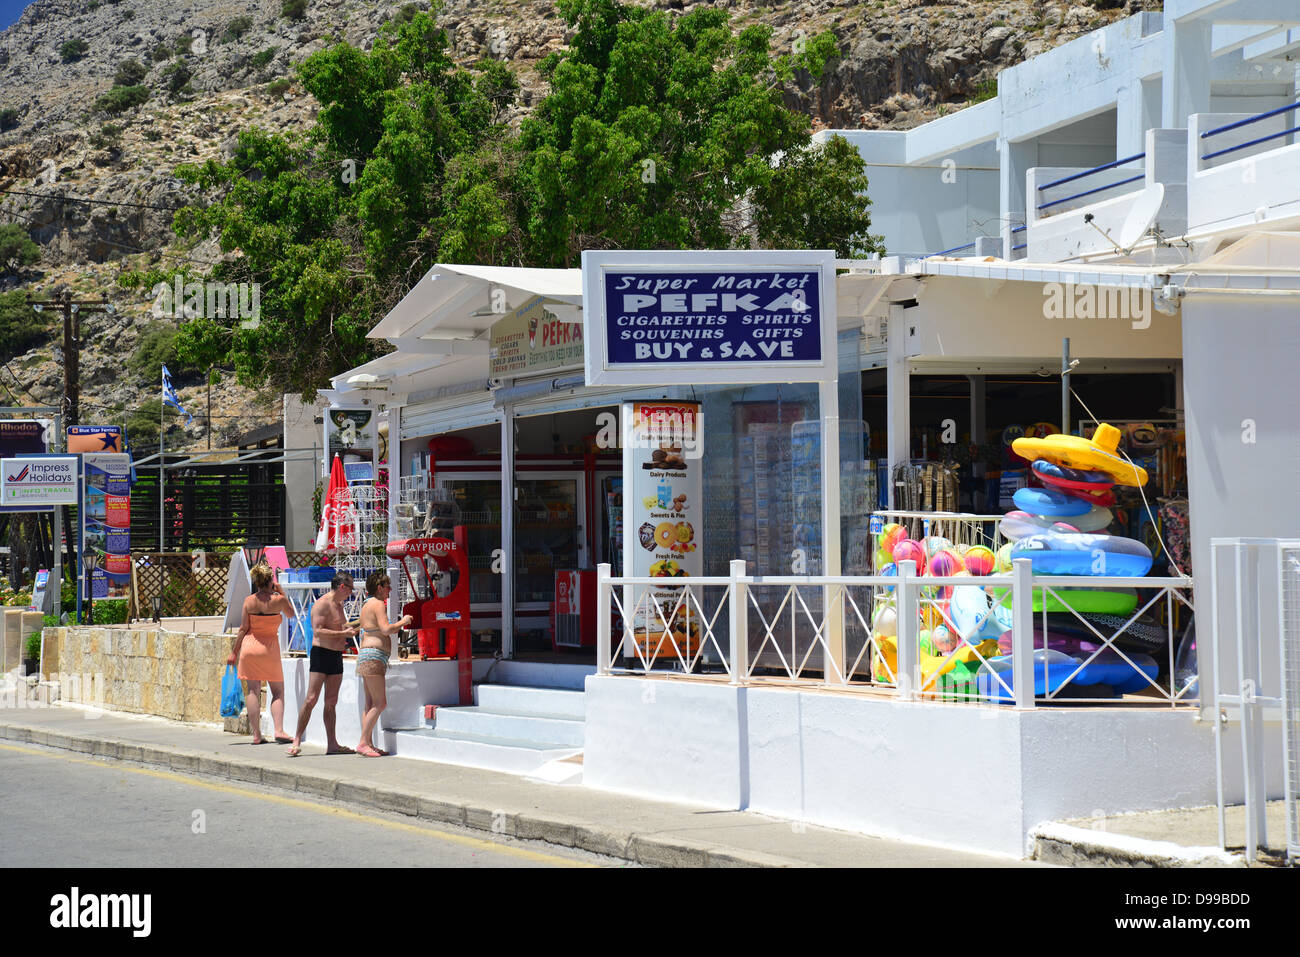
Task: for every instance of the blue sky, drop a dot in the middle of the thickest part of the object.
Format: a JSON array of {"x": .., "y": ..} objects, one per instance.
[{"x": 10, "y": 10}]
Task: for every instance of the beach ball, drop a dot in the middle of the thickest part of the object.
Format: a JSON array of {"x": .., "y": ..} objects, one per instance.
[
  {"x": 935, "y": 544},
  {"x": 1004, "y": 559},
  {"x": 884, "y": 621},
  {"x": 890, "y": 570},
  {"x": 945, "y": 640},
  {"x": 882, "y": 558},
  {"x": 910, "y": 551},
  {"x": 926, "y": 643},
  {"x": 891, "y": 535},
  {"x": 980, "y": 560},
  {"x": 944, "y": 564}
]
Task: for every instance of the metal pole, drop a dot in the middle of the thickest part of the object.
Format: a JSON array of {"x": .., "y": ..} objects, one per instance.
[
  {"x": 57, "y": 571},
  {"x": 162, "y": 470},
  {"x": 1065, "y": 386},
  {"x": 81, "y": 526}
]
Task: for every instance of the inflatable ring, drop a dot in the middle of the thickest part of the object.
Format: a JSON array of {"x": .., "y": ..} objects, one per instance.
[
  {"x": 1086, "y": 601},
  {"x": 1062, "y": 553},
  {"x": 1098, "y": 454}
]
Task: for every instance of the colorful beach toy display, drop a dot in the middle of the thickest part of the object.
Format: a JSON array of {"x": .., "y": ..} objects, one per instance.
[{"x": 965, "y": 630}]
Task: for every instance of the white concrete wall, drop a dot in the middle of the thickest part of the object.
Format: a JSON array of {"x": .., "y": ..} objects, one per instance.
[
  {"x": 1243, "y": 435},
  {"x": 410, "y": 686},
  {"x": 972, "y": 777},
  {"x": 300, "y": 473}
]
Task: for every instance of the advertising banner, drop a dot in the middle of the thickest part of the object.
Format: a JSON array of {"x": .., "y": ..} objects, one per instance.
[
  {"x": 106, "y": 525},
  {"x": 33, "y": 482},
  {"x": 349, "y": 432},
  {"x": 662, "y": 519},
  {"x": 23, "y": 437},
  {"x": 533, "y": 339},
  {"x": 94, "y": 438},
  {"x": 660, "y": 318}
]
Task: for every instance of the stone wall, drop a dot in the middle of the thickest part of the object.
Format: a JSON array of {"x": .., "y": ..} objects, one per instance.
[{"x": 147, "y": 670}]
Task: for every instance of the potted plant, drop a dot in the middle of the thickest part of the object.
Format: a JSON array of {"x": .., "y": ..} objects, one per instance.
[{"x": 32, "y": 654}]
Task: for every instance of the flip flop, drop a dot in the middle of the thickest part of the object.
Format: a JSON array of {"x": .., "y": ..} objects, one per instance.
[
  {"x": 294, "y": 752},
  {"x": 263, "y": 741},
  {"x": 283, "y": 740},
  {"x": 342, "y": 749},
  {"x": 370, "y": 752}
]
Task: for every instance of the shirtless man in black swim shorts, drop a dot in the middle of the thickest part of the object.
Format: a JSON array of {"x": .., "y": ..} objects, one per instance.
[{"x": 330, "y": 632}]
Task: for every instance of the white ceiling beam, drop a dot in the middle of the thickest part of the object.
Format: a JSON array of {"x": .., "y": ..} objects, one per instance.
[
  {"x": 1229, "y": 39},
  {"x": 418, "y": 345}
]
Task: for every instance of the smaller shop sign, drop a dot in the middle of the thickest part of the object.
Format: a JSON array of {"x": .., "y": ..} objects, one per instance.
[
  {"x": 716, "y": 316},
  {"x": 38, "y": 481}
]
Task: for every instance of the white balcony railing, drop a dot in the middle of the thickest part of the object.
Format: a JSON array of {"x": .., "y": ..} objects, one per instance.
[
  {"x": 835, "y": 632},
  {"x": 1243, "y": 169},
  {"x": 1077, "y": 213}
]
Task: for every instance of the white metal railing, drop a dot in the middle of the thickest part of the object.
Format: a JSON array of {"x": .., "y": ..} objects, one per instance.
[
  {"x": 1255, "y": 654},
  {"x": 836, "y": 632}
]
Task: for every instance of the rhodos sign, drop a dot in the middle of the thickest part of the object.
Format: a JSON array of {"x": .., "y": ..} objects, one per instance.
[
  {"x": 38, "y": 480},
  {"x": 659, "y": 318}
]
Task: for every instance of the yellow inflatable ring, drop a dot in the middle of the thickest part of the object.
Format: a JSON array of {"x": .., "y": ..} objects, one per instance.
[{"x": 1097, "y": 454}]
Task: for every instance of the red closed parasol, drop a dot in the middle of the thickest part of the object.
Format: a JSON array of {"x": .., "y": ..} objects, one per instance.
[{"x": 338, "y": 517}]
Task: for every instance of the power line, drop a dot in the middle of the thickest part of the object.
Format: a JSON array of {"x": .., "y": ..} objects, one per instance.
[{"x": 64, "y": 197}]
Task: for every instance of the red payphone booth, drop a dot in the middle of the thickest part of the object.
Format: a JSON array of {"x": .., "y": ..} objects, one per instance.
[{"x": 442, "y": 621}]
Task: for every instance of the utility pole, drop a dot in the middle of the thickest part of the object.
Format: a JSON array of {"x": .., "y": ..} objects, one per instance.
[{"x": 72, "y": 310}]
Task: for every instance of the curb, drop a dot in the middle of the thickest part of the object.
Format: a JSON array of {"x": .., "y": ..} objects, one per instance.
[
  {"x": 644, "y": 849},
  {"x": 1070, "y": 846}
]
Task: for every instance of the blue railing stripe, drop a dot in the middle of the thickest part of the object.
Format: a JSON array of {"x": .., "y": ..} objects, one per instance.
[
  {"x": 1021, "y": 246},
  {"x": 955, "y": 249},
  {"x": 1242, "y": 146},
  {"x": 1246, "y": 122},
  {"x": 1099, "y": 189},
  {"x": 1089, "y": 172},
  {"x": 1020, "y": 229}
]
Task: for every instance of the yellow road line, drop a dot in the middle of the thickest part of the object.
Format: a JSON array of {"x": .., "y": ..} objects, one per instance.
[{"x": 490, "y": 846}]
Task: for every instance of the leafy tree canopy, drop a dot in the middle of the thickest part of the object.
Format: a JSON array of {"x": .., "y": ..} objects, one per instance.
[
  {"x": 16, "y": 248},
  {"x": 21, "y": 326},
  {"x": 658, "y": 132}
]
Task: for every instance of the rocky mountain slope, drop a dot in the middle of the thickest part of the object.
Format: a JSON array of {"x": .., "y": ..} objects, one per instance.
[{"x": 213, "y": 67}]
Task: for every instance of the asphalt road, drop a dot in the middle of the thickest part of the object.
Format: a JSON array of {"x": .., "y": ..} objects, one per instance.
[{"x": 70, "y": 810}]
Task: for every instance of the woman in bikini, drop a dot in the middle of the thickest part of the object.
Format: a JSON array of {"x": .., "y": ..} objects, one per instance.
[
  {"x": 372, "y": 658},
  {"x": 257, "y": 649}
]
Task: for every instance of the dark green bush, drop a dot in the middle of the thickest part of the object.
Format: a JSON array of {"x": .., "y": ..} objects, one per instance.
[
  {"x": 262, "y": 57},
  {"x": 237, "y": 27},
  {"x": 109, "y": 611},
  {"x": 161, "y": 52},
  {"x": 294, "y": 9},
  {"x": 21, "y": 327},
  {"x": 8, "y": 119},
  {"x": 278, "y": 87},
  {"x": 177, "y": 76},
  {"x": 73, "y": 50},
  {"x": 121, "y": 98},
  {"x": 130, "y": 73}
]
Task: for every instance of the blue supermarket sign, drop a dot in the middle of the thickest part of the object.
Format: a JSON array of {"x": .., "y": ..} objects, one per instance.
[{"x": 721, "y": 316}]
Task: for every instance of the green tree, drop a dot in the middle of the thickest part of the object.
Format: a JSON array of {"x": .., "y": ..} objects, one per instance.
[
  {"x": 130, "y": 73},
  {"x": 662, "y": 133},
  {"x": 70, "y": 51},
  {"x": 21, "y": 326},
  {"x": 293, "y": 9},
  {"x": 122, "y": 98},
  {"x": 16, "y": 248},
  {"x": 155, "y": 348},
  {"x": 8, "y": 119},
  {"x": 407, "y": 150}
]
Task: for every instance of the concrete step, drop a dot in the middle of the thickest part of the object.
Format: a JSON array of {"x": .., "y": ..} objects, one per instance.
[
  {"x": 541, "y": 729},
  {"x": 477, "y": 751},
  {"x": 550, "y": 702}
]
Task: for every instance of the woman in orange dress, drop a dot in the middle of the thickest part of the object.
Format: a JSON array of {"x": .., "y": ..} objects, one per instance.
[{"x": 257, "y": 649}]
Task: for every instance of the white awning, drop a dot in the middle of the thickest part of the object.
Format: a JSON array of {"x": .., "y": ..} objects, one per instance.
[{"x": 455, "y": 302}]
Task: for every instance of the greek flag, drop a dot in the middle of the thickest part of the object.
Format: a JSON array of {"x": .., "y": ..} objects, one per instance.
[{"x": 171, "y": 398}]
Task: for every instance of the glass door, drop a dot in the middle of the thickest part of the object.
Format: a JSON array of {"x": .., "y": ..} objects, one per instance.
[
  {"x": 478, "y": 496},
  {"x": 549, "y": 523}
]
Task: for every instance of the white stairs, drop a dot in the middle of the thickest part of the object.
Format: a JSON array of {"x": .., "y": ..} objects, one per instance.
[{"x": 508, "y": 728}]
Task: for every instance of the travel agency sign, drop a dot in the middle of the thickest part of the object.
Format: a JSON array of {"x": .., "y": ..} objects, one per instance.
[{"x": 709, "y": 317}]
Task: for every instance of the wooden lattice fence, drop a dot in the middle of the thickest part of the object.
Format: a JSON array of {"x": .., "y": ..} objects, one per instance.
[{"x": 189, "y": 588}]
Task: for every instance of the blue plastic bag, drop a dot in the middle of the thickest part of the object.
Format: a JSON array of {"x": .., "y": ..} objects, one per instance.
[{"x": 232, "y": 694}]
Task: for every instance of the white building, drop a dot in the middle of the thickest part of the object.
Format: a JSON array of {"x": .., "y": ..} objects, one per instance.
[{"x": 1155, "y": 158}]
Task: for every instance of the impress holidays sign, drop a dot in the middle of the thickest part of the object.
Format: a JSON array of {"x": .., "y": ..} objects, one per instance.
[
  {"x": 722, "y": 316},
  {"x": 39, "y": 481}
]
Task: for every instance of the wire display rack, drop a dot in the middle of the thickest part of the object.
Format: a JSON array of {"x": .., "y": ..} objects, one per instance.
[{"x": 424, "y": 512}]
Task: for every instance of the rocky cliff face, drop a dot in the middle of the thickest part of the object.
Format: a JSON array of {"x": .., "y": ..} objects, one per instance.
[{"x": 212, "y": 67}]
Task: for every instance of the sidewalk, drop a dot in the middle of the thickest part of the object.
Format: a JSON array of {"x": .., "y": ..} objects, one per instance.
[{"x": 651, "y": 833}]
